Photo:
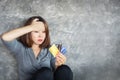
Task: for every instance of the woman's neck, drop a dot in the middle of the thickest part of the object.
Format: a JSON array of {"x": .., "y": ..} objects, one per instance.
[{"x": 36, "y": 49}]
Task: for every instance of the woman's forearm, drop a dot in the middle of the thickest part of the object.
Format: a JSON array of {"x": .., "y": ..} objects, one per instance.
[{"x": 15, "y": 33}]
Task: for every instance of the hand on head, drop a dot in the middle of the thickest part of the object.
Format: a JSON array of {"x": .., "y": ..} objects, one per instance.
[{"x": 36, "y": 24}]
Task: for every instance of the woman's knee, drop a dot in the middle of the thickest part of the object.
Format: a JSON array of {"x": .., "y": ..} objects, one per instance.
[
  {"x": 64, "y": 68},
  {"x": 44, "y": 74},
  {"x": 65, "y": 71}
]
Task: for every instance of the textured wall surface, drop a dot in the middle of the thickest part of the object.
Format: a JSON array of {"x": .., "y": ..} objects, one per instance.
[{"x": 90, "y": 29}]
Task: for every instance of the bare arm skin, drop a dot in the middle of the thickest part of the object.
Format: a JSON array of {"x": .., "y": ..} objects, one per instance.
[{"x": 15, "y": 33}]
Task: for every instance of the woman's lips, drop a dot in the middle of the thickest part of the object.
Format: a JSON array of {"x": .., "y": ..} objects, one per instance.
[{"x": 39, "y": 40}]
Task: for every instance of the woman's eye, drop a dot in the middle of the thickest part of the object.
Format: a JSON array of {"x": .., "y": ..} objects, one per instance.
[
  {"x": 43, "y": 31},
  {"x": 35, "y": 31}
]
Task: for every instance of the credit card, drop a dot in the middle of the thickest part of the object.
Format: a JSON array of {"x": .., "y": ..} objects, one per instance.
[
  {"x": 63, "y": 50},
  {"x": 54, "y": 50}
]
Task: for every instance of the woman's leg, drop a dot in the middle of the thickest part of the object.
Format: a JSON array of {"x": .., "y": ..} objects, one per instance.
[
  {"x": 43, "y": 74},
  {"x": 63, "y": 73}
]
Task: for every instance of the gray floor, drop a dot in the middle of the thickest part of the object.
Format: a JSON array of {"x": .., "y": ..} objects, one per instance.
[{"x": 89, "y": 29}]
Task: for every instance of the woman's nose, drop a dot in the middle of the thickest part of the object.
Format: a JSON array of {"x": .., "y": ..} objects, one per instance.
[{"x": 40, "y": 34}]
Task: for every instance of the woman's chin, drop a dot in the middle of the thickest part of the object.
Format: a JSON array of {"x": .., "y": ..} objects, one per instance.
[{"x": 39, "y": 43}]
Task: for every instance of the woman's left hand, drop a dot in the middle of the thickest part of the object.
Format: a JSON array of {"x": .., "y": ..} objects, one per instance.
[{"x": 60, "y": 59}]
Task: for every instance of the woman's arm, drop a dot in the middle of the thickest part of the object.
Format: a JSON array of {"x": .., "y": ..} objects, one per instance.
[{"x": 15, "y": 33}]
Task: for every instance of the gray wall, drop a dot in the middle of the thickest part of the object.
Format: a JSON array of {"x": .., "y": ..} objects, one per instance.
[{"x": 90, "y": 29}]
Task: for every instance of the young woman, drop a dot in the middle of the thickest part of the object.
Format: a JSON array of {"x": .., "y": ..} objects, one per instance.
[{"x": 30, "y": 45}]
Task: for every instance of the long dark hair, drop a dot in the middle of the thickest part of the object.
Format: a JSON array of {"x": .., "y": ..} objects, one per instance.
[{"x": 26, "y": 38}]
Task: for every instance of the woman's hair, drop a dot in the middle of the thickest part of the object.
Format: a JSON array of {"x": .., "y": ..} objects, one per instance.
[{"x": 26, "y": 39}]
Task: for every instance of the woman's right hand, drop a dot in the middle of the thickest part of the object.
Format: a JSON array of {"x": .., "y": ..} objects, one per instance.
[{"x": 36, "y": 25}]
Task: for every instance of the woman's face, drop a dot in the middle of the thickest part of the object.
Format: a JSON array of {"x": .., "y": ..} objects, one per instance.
[{"x": 38, "y": 37}]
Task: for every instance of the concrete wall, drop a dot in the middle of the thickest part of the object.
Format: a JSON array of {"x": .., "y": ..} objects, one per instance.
[{"x": 90, "y": 29}]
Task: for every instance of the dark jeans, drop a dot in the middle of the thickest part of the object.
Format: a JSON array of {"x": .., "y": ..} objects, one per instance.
[{"x": 62, "y": 73}]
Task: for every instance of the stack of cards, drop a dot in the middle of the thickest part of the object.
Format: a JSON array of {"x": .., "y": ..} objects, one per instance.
[{"x": 54, "y": 50}]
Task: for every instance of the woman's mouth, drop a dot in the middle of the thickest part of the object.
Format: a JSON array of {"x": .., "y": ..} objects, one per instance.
[{"x": 39, "y": 40}]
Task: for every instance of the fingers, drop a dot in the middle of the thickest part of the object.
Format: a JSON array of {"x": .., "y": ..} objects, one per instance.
[
  {"x": 36, "y": 25},
  {"x": 60, "y": 59},
  {"x": 61, "y": 56},
  {"x": 58, "y": 62},
  {"x": 35, "y": 20}
]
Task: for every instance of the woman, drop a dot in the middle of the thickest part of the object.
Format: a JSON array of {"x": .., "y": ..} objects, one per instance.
[{"x": 30, "y": 45}]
